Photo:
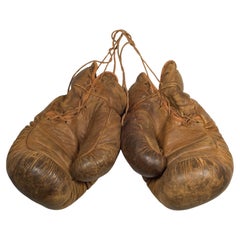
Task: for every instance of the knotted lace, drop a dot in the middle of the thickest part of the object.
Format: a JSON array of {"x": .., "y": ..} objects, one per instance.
[{"x": 120, "y": 39}]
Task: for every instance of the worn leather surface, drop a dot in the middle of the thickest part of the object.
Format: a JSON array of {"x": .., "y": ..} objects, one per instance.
[
  {"x": 71, "y": 143},
  {"x": 170, "y": 140}
]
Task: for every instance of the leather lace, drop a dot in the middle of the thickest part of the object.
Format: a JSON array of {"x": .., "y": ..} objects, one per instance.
[{"x": 120, "y": 39}]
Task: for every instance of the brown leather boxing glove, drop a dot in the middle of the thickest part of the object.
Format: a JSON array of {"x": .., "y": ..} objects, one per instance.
[
  {"x": 170, "y": 140},
  {"x": 71, "y": 143}
]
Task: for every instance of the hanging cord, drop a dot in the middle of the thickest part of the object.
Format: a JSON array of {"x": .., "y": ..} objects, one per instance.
[
  {"x": 119, "y": 51},
  {"x": 114, "y": 54},
  {"x": 110, "y": 57},
  {"x": 131, "y": 42},
  {"x": 116, "y": 49}
]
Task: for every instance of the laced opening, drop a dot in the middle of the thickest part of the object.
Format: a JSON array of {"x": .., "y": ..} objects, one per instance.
[
  {"x": 109, "y": 58},
  {"x": 114, "y": 55}
]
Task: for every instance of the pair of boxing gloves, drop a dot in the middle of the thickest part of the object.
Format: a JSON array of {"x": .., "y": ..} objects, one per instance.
[{"x": 165, "y": 136}]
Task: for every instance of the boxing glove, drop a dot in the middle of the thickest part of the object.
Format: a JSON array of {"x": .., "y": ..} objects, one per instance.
[
  {"x": 170, "y": 140},
  {"x": 71, "y": 143}
]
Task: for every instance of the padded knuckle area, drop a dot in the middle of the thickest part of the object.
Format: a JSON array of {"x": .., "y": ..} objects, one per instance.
[
  {"x": 191, "y": 182},
  {"x": 42, "y": 180}
]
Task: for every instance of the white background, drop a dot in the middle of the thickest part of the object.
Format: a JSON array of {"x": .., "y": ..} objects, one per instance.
[{"x": 42, "y": 43}]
